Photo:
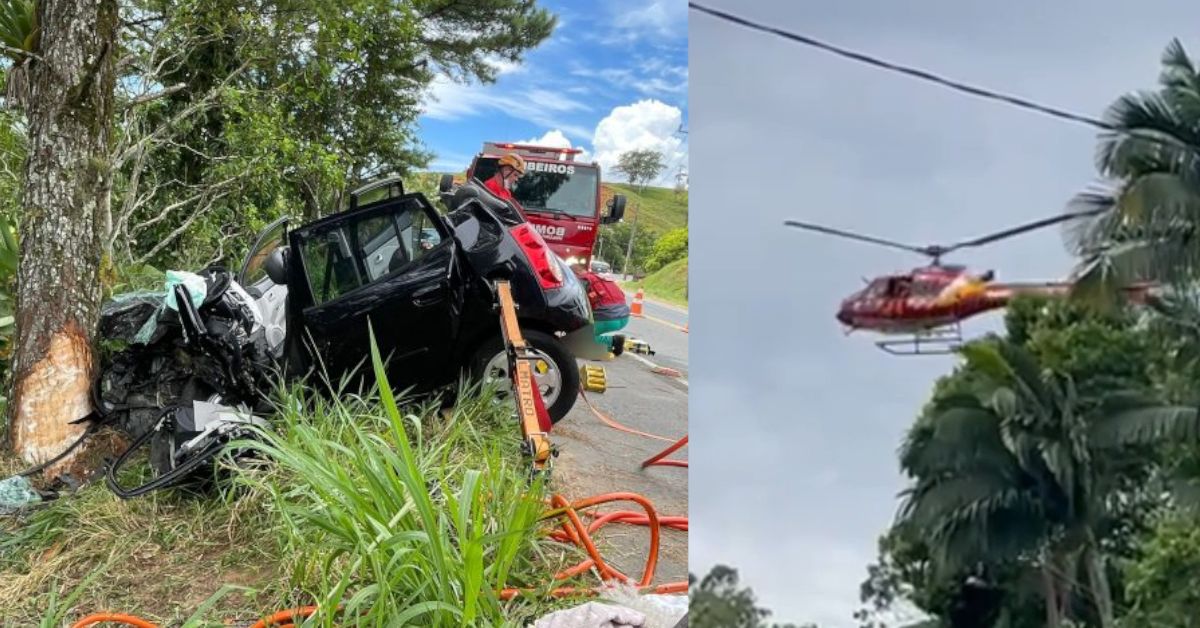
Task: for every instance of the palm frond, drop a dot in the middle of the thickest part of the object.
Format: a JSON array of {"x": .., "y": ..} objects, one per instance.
[
  {"x": 1085, "y": 234},
  {"x": 1178, "y": 72},
  {"x": 983, "y": 355},
  {"x": 936, "y": 498},
  {"x": 960, "y": 440},
  {"x": 1062, "y": 466},
  {"x": 1167, "y": 254},
  {"x": 18, "y": 24},
  {"x": 1151, "y": 137},
  {"x": 995, "y": 528},
  {"x": 1127, "y": 420},
  {"x": 1028, "y": 378},
  {"x": 1159, "y": 193}
]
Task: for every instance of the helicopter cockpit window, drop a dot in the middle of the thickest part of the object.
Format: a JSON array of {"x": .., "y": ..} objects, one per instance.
[
  {"x": 925, "y": 289},
  {"x": 899, "y": 287},
  {"x": 877, "y": 289}
]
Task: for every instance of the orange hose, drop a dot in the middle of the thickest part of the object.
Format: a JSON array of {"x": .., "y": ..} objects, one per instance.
[
  {"x": 116, "y": 618},
  {"x": 658, "y": 459},
  {"x": 574, "y": 532},
  {"x": 617, "y": 426},
  {"x": 661, "y": 457},
  {"x": 285, "y": 616}
]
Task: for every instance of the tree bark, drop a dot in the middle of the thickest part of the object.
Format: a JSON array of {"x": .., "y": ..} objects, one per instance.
[
  {"x": 69, "y": 110},
  {"x": 1050, "y": 591},
  {"x": 1098, "y": 580}
]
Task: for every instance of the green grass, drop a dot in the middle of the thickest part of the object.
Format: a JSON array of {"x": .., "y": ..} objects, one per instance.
[
  {"x": 667, "y": 283},
  {"x": 660, "y": 209},
  {"x": 388, "y": 508}
]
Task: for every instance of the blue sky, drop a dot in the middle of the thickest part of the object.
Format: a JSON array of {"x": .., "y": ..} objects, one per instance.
[
  {"x": 612, "y": 77},
  {"x": 795, "y": 426}
]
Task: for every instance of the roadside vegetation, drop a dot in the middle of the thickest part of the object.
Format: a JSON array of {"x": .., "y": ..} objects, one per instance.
[
  {"x": 386, "y": 507},
  {"x": 668, "y": 283}
]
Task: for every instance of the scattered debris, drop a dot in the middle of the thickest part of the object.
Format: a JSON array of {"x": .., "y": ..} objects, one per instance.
[
  {"x": 16, "y": 494},
  {"x": 593, "y": 615}
]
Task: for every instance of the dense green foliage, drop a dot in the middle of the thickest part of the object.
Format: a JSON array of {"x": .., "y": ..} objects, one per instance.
[
  {"x": 234, "y": 112},
  {"x": 615, "y": 240},
  {"x": 718, "y": 601},
  {"x": 672, "y": 246}
]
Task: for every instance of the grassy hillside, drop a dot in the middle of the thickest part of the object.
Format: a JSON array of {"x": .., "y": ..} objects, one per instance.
[
  {"x": 661, "y": 210},
  {"x": 668, "y": 283}
]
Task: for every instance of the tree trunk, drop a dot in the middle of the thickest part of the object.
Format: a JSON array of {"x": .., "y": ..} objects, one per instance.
[
  {"x": 1050, "y": 591},
  {"x": 1098, "y": 581},
  {"x": 69, "y": 110}
]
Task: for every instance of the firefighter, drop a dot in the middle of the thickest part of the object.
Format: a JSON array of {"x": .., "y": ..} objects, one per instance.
[
  {"x": 609, "y": 309},
  {"x": 511, "y": 167}
]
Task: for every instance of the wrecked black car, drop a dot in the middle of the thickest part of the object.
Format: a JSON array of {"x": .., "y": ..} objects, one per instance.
[{"x": 305, "y": 301}]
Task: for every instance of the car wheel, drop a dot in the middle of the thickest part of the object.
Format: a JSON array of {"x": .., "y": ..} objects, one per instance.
[{"x": 556, "y": 373}]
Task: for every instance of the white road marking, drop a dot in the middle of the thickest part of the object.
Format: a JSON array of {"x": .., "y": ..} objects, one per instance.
[{"x": 654, "y": 366}]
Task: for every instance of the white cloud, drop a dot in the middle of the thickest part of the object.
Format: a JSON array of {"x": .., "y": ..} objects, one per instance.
[
  {"x": 657, "y": 19},
  {"x": 449, "y": 100},
  {"x": 557, "y": 139},
  {"x": 552, "y": 137},
  {"x": 504, "y": 66},
  {"x": 653, "y": 76},
  {"x": 646, "y": 124}
]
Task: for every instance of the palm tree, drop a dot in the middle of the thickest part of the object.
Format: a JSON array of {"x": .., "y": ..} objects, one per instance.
[
  {"x": 1151, "y": 167},
  {"x": 1015, "y": 466}
]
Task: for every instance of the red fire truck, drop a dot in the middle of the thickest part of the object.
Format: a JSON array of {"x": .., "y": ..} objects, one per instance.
[{"x": 560, "y": 196}]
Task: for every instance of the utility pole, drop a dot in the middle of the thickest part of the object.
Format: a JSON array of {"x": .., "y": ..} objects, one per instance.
[{"x": 632, "y": 232}]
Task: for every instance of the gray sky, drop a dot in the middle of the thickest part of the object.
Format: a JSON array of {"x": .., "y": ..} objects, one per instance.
[{"x": 795, "y": 426}]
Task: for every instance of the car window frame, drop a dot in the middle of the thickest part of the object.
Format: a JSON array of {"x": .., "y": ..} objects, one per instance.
[{"x": 307, "y": 234}]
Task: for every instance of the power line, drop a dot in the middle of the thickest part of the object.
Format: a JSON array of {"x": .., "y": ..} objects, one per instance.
[{"x": 919, "y": 73}]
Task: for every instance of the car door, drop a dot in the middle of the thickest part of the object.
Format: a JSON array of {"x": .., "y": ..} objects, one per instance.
[{"x": 374, "y": 264}]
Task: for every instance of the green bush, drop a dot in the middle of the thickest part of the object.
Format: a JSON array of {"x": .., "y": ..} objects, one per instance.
[{"x": 672, "y": 246}]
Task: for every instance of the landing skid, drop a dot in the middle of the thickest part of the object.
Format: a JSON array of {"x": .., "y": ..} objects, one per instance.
[{"x": 936, "y": 341}]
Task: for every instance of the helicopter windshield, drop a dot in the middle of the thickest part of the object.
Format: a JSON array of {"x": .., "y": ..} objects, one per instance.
[{"x": 878, "y": 289}]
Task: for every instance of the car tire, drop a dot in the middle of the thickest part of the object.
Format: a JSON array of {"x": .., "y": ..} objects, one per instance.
[{"x": 563, "y": 359}]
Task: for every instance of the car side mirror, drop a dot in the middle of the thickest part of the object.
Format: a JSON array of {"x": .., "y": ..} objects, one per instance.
[
  {"x": 445, "y": 183},
  {"x": 276, "y": 265},
  {"x": 616, "y": 210}
]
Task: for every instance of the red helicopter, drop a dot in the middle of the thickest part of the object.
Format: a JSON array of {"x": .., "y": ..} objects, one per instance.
[{"x": 921, "y": 310}]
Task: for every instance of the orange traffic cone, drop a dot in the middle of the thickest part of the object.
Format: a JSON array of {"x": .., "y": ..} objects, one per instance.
[{"x": 635, "y": 309}]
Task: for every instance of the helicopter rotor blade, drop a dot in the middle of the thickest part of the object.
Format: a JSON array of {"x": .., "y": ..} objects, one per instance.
[
  {"x": 857, "y": 236},
  {"x": 1029, "y": 226}
]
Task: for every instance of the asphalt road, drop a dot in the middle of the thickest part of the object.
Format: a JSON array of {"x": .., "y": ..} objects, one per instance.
[{"x": 596, "y": 458}]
